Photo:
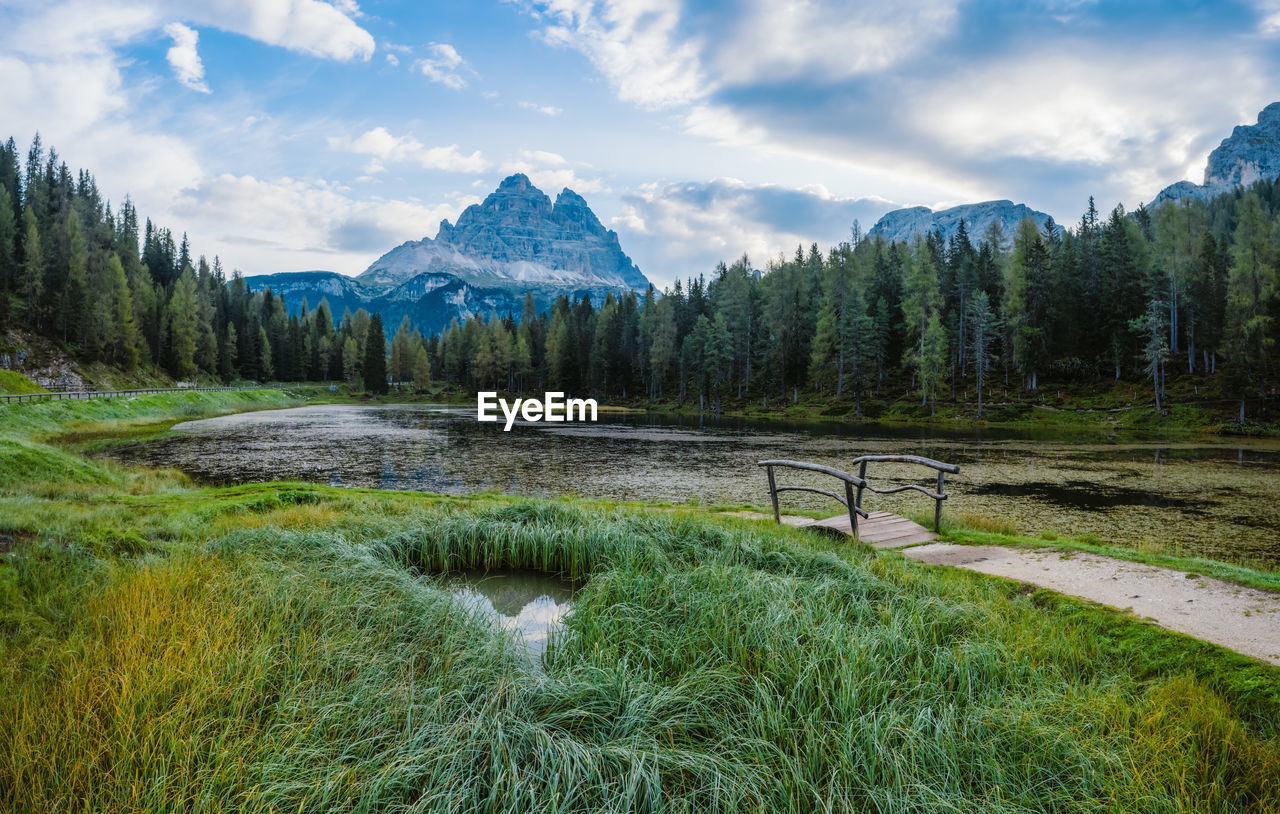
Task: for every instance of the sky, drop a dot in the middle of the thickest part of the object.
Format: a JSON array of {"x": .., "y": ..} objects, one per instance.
[{"x": 285, "y": 135}]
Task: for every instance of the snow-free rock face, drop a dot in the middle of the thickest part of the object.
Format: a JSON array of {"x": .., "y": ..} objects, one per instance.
[
  {"x": 901, "y": 225},
  {"x": 1251, "y": 153},
  {"x": 516, "y": 242},
  {"x": 516, "y": 236}
]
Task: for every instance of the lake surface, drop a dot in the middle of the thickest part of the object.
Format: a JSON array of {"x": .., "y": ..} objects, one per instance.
[{"x": 1211, "y": 496}]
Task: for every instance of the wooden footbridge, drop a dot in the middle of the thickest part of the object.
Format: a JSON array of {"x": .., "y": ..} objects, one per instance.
[{"x": 881, "y": 529}]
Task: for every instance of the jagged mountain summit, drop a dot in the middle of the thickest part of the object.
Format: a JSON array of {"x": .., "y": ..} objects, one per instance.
[
  {"x": 901, "y": 225},
  {"x": 1251, "y": 153},
  {"x": 515, "y": 242},
  {"x": 516, "y": 236}
]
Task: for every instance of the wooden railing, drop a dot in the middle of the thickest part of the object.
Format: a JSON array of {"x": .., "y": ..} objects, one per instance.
[
  {"x": 937, "y": 496},
  {"x": 854, "y": 485},
  {"x": 850, "y": 483}
]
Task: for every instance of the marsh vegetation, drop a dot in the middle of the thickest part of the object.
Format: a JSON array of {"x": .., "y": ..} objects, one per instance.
[{"x": 171, "y": 647}]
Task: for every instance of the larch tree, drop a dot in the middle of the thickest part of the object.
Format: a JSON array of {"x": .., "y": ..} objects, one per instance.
[{"x": 1250, "y": 301}]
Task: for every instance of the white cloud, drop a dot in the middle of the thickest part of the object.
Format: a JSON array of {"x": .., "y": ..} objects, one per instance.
[
  {"x": 287, "y": 224},
  {"x": 80, "y": 26},
  {"x": 393, "y": 60},
  {"x": 823, "y": 40},
  {"x": 634, "y": 43},
  {"x": 384, "y": 148},
  {"x": 1269, "y": 16},
  {"x": 548, "y": 110},
  {"x": 308, "y": 26},
  {"x": 1120, "y": 121},
  {"x": 184, "y": 58},
  {"x": 551, "y": 173},
  {"x": 683, "y": 228},
  {"x": 658, "y": 57},
  {"x": 443, "y": 66},
  {"x": 62, "y": 70}
]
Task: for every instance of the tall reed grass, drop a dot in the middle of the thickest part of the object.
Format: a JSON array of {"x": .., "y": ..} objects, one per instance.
[
  {"x": 706, "y": 667},
  {"x": 165, "y": 647}
]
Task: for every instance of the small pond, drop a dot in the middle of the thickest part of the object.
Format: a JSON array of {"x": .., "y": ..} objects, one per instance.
[{"x": 529, "y": 604}]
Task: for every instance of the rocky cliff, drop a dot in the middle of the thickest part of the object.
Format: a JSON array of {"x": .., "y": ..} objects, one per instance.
[
  {"x": 1249, "y": 154},
  {"x": 516, "y": 236},
  {"x": 901, "y": 225},
  {"x": 515, "y": 242}
]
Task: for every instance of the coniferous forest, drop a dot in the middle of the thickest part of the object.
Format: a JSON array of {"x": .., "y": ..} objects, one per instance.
[{"x": 1190, "y": 289}]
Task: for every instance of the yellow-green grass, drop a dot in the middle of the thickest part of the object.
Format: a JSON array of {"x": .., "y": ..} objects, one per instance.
[
  {"x": 283, "y": 647},
  {"x": 15, "y": 384}
]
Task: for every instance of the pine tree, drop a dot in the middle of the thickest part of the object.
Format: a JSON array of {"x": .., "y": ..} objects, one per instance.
[
  {"x": 1151, "y": 328},
  {"x": 983, "y": 329},
  {"x": 126, "y": 341},
  {"x": 920, "y": 302},
  {"x": 266, "y": 370},
  {"x": 350, "y": 360},
  {"x": 1251, "y": 295},
  {"x": 182, "y": 327},
  {"x": 8, "y": 247},
  {"x": 375, "y": 357},
  {"x": 933, "y": 361},
  {"x": 70, "y": 304},
  {"x": 31, "y": 273}
]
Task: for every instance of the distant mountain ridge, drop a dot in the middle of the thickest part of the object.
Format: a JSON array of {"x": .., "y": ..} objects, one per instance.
[
  {"x": 1251, "y": 153},
  {"x": 515, "y": 242},
  {"x": 901, "y": 225}
]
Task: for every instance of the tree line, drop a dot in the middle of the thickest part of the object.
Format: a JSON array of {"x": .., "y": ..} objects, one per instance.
[
  {"x": 1190, "y": 287},
  {"x": 129, "y": 295}
]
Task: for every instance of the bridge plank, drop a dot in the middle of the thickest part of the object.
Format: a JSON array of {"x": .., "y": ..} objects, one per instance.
[{"x": 882, "y": 530}]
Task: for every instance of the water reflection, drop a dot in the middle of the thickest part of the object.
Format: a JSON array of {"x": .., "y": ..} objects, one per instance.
[
  {"x": 530, "y": 604},
  {"x": 1193, "y": 494}
]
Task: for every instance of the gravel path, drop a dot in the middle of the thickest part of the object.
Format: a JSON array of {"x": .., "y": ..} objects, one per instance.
[{"x": 1242, "y": 619}]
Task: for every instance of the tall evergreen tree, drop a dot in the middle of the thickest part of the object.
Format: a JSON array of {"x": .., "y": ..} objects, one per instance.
[{"x": 375, "y": 357}]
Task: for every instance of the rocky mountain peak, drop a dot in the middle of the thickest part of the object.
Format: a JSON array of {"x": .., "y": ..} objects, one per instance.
[
  {"x": 519, "y": 182},
  {"x": 516, "y": 236},
  {"x": 1249, "y": 154}
]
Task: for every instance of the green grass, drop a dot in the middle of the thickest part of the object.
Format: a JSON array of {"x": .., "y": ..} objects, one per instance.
[
  {"x": 283, "y": 647},
  {"x": 15, "y": 384}
]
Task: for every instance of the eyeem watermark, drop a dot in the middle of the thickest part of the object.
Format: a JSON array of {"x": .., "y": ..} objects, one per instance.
[{"x": 551, "y": 407}]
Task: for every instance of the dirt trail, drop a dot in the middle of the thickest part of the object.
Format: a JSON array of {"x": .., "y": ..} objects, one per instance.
[{"x": 1242, "y": 619}]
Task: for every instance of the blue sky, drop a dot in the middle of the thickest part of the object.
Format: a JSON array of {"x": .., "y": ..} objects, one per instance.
[{"x": 295, "y": 134}]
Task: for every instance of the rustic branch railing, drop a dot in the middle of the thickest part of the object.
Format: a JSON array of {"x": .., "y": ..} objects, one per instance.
[
  {"x": 850, "y": 483},
  {"x": 937, "y": 496},
  {"x": 853, "y": 500}
]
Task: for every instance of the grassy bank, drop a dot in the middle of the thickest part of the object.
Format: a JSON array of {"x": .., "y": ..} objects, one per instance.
[{"x": 167, "y": 647}]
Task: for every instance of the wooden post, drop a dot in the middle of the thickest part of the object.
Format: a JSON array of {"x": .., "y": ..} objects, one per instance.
[
  {"x": 853, "y": 513},
  {"x": 862, "y": 476},
  {"x": 937, "y": 511},
  {"x": 773, "y": 495}
]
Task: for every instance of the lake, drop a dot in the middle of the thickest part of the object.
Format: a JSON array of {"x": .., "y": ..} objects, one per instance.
[{"x": 1190, "y": 494}]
